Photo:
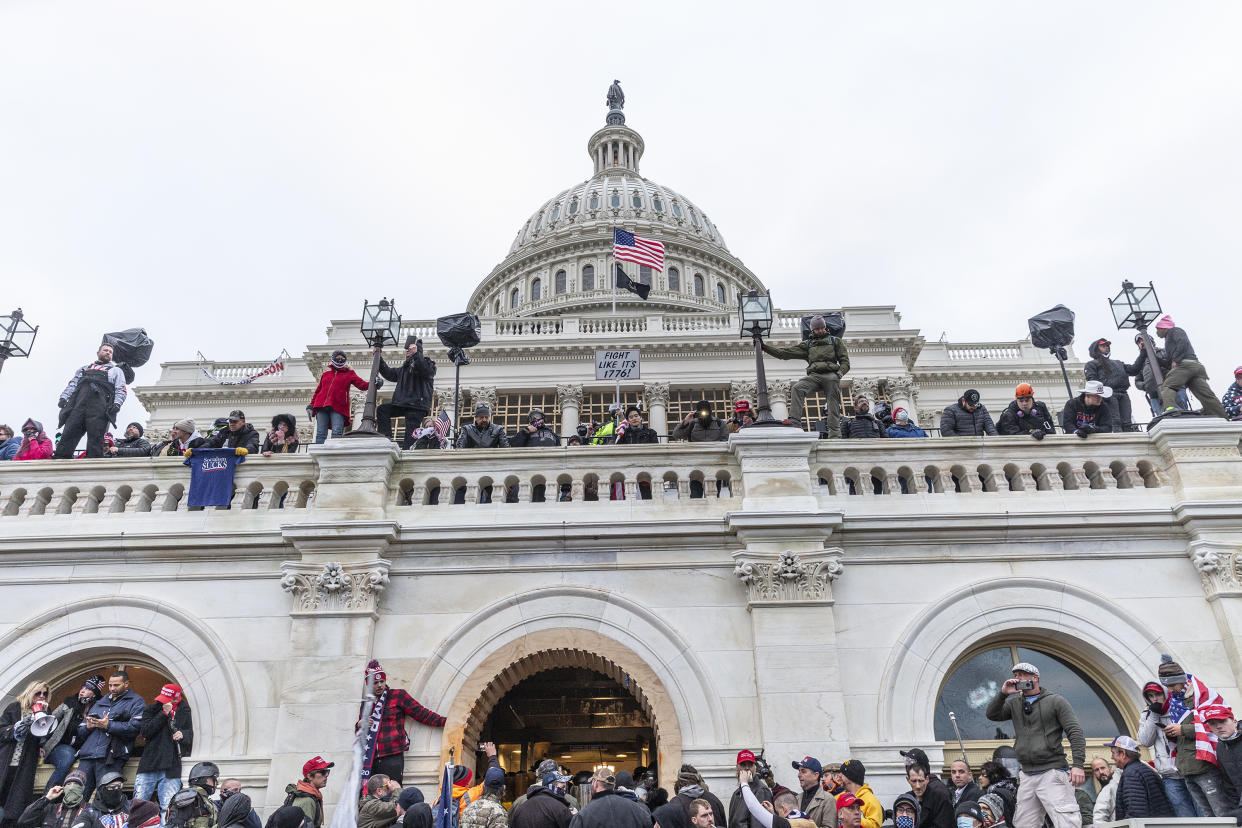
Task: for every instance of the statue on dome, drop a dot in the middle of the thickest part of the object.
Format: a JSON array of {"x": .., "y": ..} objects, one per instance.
[{"x": 616, "y": 98}]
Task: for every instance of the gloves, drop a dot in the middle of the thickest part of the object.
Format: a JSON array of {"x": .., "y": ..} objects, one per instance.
[
  {"x": 379, "y": 382},
  {"x": 113, "y": 410},
  {"x": 1038, "y": 433},
  {"x": 1083, "y": 432},
  {"x": 60, "y": 403},
  {"x": 22, "y": 728},
  {"x": 240, "y": 452},
  {"x": 188, "y": 453}
]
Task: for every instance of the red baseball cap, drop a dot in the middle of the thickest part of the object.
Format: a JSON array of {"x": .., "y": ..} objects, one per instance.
[
  {"x": 848, "y": 800},
  {"x": 745, "y": 756},
  {"x": 742, "y": 405},
  {"x": 1216, "y": 711},
  {"x": 316, "y": 764},
  {"x": 169, "y": 693}
]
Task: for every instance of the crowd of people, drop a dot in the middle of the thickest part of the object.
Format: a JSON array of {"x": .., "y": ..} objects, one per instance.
[
  {"x": 1195, "y": 770},
  {"x": 90, "y": 402}
]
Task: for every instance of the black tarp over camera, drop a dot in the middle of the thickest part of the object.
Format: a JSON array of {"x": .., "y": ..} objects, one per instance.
[
  {"x": 834, "y": 320},
  {"x": 1052, "y": 328},
  {"x": 132, "y": 347}
]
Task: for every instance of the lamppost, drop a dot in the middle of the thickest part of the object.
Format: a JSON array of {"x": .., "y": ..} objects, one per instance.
[
  {"x": 381, "y": 325},
  {"x": 18, "y": 338},
  {"x": 755, "y": 310},
  {"x": 1138, "y": 307}
]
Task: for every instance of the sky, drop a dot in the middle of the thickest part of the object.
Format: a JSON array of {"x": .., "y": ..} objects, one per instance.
[{"x": 233, "y": 176}]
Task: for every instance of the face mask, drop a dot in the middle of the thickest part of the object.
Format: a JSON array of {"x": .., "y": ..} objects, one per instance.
[
  {"x": 110, "y": 797},
  {"x": 72, "y": 795},
  {"x": 965, "y": 822},
  {"x": 338, "y": 360},
  {"x": 905, "y": 821}
]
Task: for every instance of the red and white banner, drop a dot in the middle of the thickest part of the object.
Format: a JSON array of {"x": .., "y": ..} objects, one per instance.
[{"x": 273, "y": 368}]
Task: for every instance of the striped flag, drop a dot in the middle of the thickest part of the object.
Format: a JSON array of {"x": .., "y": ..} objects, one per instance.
[
  {"x": 626, "y": 247},
  {"x": 442, "y": 425},
  {"x": 1200, "y": 696}
]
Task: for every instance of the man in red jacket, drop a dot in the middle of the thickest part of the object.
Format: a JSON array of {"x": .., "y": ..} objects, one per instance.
[
  {"x": 330, "y": 405},
  {"x": 387, "y": 742}
]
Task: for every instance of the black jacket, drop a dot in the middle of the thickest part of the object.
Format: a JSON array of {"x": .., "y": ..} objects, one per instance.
[
  {"x": 739, "y": 814},
  {"x": 43, "y": 813},
  {"x": 543, "y": 436},
  {"x": 632, "y": 436},
  {"x": 1229, "y": 754},
  {"x": 415, "y": 381},
  {"x": 861, "y": 426},
  {"x": 956, "y": 421},
  {"x": 1177, "y": 346},
  {"x": 1141, "y": 793},
  {"x": 718, "y": 809},
  {"x": 1014, "y": 421},
  {"x": 245, "y": 437},
  {"x": 1141, "y": 368},
  {"x": 542, "y": 809},
  {"x": 608, "y": 810},
  {"x": 133, "y": 447},
  {"x": 1111, "y": 372},
  {"x": 161, "y": 752},
  {"x": 936, "y": 808},
  {"x": 1078, "y": 415},
  {"x": 970, "y": 793},
  {"x": 491, "y": 437}
]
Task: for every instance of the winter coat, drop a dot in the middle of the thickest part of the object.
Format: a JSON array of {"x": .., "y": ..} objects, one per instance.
[
  {"x": 245, "y": 437},
  {"x": 98, "y": 815},
  {"x": 237, "y": 810},
  {"x": 68, "y": 715},
  {"x": 824, "y": 354},
  {"x": 1232, "y": 401},
  {"x": 1229, "y": 754},
  {"x": 415, "y": 382},
  {"x": 374, "y": 812},
  {"x": 43, "y": 813},
  {"x": 1141, "y": 368},
  {"x": 935, "y": 808},
  {"x": 541, "y": 808},
  {"x": 418, "y": 816},
  {"x": 687, "y": 795},
  {"x": 1014, "y": 420},
  {"x": 1078, "y": 415},
  {"x": 166, "y": 448},
  {"x": 1141, "y": 793},
  {"x": 161, "y": 753},
  {"x": 872, "y": 810},
  {"x": 485, "y": 812},
  {"x": 1151, "y": 735},
  {"x": 956, "y": 421},
  {"x": 1105, "y": 808},
  {"x": 568, "y": 797},
  {"x": 332, "y": 392},
  {"x": 908, "y": 430},
  {"x": 133, "y": 447},
  {"x": 300, "y": 795},
  {"x": 290, "y": 444},
  {"x": 107, "y": 379},
  {"x": 820, "y": 809},
  {"x": 491, "y": 437},
  {"x": 124, "y": 724},
  {"x": 18, "y": 780},
  {"x": 39, "y": 448},
  {"x": 970, "y": 792},
  {"x": 696, "y": 432},
  {"x": 9, "y": 448},
  {"x": 1177, "y": 346},
  {"x": 861, "y": 426},
  {"x": 628, "y": 436},
  {"x": 608, "y": 810},
  {"x": 1185, "y": 755},
  {"x": 543, "y": 436},
  {"x": 1037, "y": 735},
  {"x": 1111, "y": 372},
  {"x": 739, "y": 814}
]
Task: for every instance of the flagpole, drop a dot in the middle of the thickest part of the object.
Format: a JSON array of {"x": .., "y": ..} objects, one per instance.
[{"x": 612, "y": 272}]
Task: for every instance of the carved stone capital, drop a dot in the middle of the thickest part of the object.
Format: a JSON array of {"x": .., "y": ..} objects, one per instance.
[
  {"x": 744, "y": 390},
  {"x": 655, "y": 393},
  {"x": 334, "y": 588},
  {"x": 789, "y": 579},
  {"x": 1220, "y": 567},
  {"x": 779, "y": 391},
  {"x": 904, "y": 387},
  {"x": 867, "y": 386},
  {"x": 569, "y": 394},
  {"x": 483, "y": 394}
]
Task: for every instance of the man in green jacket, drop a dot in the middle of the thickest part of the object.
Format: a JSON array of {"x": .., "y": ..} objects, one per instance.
[
  {"x": 827, "y": 361},
  {"x": 378, "y": 809},
  {"x": 1047, "y": 781}
]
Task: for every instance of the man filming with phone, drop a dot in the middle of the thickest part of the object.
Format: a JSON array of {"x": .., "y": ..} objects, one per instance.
[{"x": 1046, "y": 781}]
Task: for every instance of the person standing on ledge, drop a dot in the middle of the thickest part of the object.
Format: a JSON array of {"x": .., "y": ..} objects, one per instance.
[
  {"x": 1187, "y": 371},
  {"x": 388, "y": 714},
  {"x": 827, "y": 360}
]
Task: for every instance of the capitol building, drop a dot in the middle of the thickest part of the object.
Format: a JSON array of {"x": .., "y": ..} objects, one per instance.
[{"x": 827, "y": 598}]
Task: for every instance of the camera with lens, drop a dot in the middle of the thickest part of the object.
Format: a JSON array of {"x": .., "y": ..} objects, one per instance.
[{"x": 1024, "y": 685}]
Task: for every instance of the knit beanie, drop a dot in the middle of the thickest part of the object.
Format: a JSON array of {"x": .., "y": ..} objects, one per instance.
[
  {"x": 409, "y": 797},
  {"x": 188, "y": 426},
  {"x": 1170, "y": 672},
  {"x": 995, "y": 806},
  {"x": 854, "y": 771},
  {"x": 686, "y": 777},
  {"x": 138, "y": 426}
]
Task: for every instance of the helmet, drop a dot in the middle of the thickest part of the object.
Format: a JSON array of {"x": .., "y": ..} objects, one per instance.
[
  {"x": 1024, "y": 390},
  {"x": 203, "y": 770},
  {"x": 109, "y": 778}
]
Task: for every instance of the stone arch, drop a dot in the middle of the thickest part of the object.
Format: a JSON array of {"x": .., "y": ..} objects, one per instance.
[
  {"x": 57, "y": 640},
  {"x": 1123, "y": 649},
  {"x": 685, "y": 709}
]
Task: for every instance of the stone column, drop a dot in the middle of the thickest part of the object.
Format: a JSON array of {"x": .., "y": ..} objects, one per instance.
[
  {"x": 656, "y": 396},
  {"x": 787, "y": 566},
  {"x": 746, "y": 390},
  {"x": 569, "y": 397},
  {"x": 868, "y": 386},
  {"x": 904, "y": 392},
  {"x": 779, "y": 391},
  {"x": 483, "y": 394}
]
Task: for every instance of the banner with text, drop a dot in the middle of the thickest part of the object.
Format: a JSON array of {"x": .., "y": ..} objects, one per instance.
[{"x": 617, "y": 366}]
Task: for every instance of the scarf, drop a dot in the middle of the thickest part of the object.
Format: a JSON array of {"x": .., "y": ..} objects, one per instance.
[
  {"x": 373, "y": 726},
  {"x": 1200, "y": 696}
]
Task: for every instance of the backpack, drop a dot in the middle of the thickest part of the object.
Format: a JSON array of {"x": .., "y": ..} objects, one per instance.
[{"x": 189, "y": 808}]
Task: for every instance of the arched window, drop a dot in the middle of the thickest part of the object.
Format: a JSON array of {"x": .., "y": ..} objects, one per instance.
[
  {"x": 513, "y": 298},
  {"x": 615, "y": 199},
  {"x": 556, "y": 212},
  {"x": 698, "y": 284},
  {"x": 674, "y": 280},
  {"x": 657, "y": 204},
  {"x": 573, "y": 206},
  {"x": 720, "y": 293},
  {"x": 637, "y": 200},
  {"x": 593, "y": 202},
  {"x": 539, "y": 220},
  {"x": 694, "y": 217},
  {"x": 536, "y": 290},
  {"x": 497, "y": 309},
  {"x": 560, "y": 281},
  {"x": 588, "y": 277},
  {"x": 644, "y": 274},
  {"x": 977, "y": 679},
  {"x": 676, "y": 209}
]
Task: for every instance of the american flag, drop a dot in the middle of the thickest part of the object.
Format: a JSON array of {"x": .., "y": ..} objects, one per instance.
[
  {"x": 442, "y": 425},
  {"x": 627, "y": 247},
  {"x": 1200, "y": 696}
]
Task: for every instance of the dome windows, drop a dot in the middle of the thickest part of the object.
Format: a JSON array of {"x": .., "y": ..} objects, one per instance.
[
  {"x": 644, "y": 274},
  {"x": 593, "y": 201},
  {"x": 573, "y": 206},
  {"x": 560, "y": 282},
  {"x": 694, "y": 217},
  {"x": 614, "y": 200},
  {"x": 496, "y": 309},
  {"x": 536, "y": 290},
  {"x": 676, "y": 209},
  {"x": 674, "y": 280},
  {"x": 657, "y": 204},
  {"x": 513, "y": 299},
  {"x": 637, "y": 200},
  {"x": 720, "y": 293},
  {"x": 555, "y": 214},
  {"x": 698, "y": 285},
  {"x": 588, "y": 277}
]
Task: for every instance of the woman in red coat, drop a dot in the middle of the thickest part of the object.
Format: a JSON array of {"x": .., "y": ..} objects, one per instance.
[{"x": 331, "y": 401}]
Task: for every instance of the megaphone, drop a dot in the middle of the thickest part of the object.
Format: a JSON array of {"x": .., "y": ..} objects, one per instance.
[{"x": 43, "y": 722}]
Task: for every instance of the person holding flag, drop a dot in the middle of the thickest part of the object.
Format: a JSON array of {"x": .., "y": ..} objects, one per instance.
[
  {"x": 386, "y": 739},
  {"x": 1195, "y": 752}
]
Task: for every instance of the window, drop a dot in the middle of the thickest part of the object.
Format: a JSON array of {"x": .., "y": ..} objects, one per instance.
[
  {"x": 614, "y": 200},
  {"x": 556, "y": 212},
  {"x": 637, "y": 200},
  {"x": 815, "y": 406},
  {"x": 588, "y": 277},
  {"x": 512, "y": 410},
  {"x": 676, "y": 209},
  {"x": 513, "y": 298},
  {"x": 644, "y": 274},
  {"x": 593, "y": 202},
  {"x": 536, "y": 290},
  {"x": 720, "y": 293},
  {"x": 573, "y": 206},
  {"x": 973, "y": 683},
  {"x": 698, "y": 284},
  {"x": 694, "y": 217},
  {"x": 657, "y": 204},
  {"x": 560, "y": 285},
  {"x": 683, "y": 401},
  {"x": 674, "y": 280},
  {"x": 497, "y": 309},
  {"x": 539, "y": 220}
]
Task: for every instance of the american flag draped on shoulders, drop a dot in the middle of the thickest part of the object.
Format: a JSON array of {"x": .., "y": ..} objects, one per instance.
[
  {"x": 627, "y": 247},
  {"x": 1195, "y": 696}
]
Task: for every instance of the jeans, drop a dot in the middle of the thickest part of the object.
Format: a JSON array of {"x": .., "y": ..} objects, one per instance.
[
  {"x": 95, "y": 768},
  {"x": 1183, "y": 402},
  {"x": 325, "y": 418},
  {"x": 1208, "y": 792},
  {"x": 156, "y": 781},
  {"x": 61, "y": 758},
  {"x": 1179, "y": 797}
]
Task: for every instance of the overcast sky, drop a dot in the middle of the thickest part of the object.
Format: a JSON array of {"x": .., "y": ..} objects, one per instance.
[{"x": 232, "y": 176}]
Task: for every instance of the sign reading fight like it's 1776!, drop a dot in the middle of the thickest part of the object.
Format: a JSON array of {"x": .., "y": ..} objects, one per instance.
[{"x": 617, "y": 366}]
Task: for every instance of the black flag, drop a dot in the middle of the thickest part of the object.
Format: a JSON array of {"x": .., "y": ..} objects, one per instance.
[{"x": 624, "y": 282}]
